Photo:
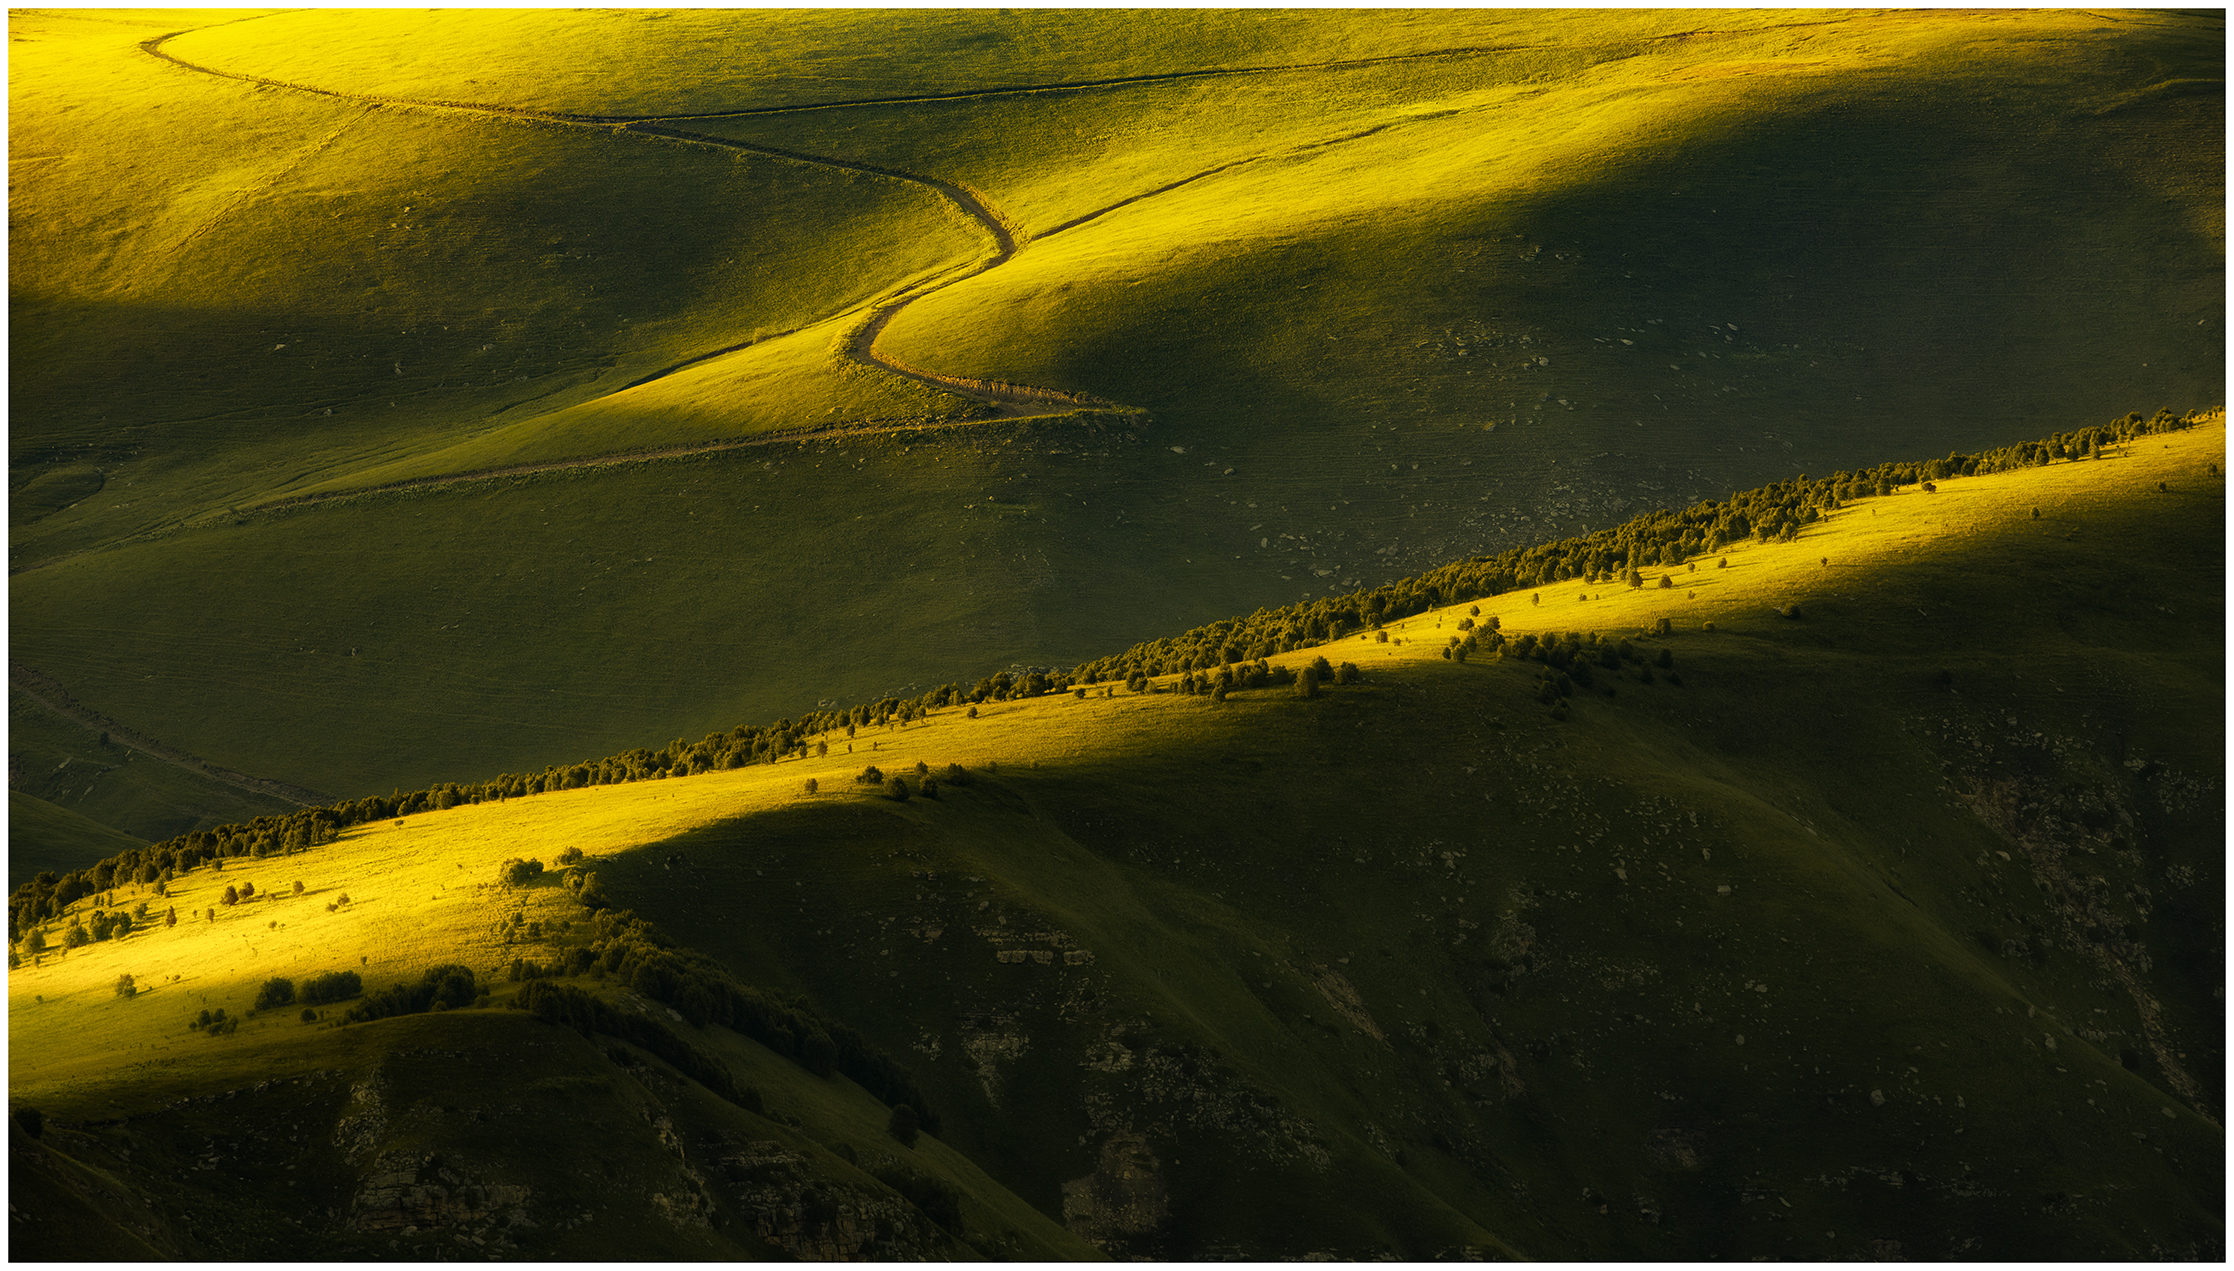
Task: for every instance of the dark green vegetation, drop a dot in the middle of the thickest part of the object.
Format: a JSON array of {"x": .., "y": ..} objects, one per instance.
[
  {"x": 385, "y": 423},
  {"x": 1895, "y": 930},
  {"x": 1668, "y": 539},
  {"x": 1522, "y": 221},
  {"x": 43, "y": 837},
  {"x": 1773, "y": 513}
]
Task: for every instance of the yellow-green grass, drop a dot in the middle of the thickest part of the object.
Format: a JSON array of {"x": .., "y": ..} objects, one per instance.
[
  {"x": 688, "y": 62},
  {"x": 427, "y": 883},
  {"x": 1337, "y": 326},
  {"x": 1857, "y": 546},
  {"x": 789, "y": 383},
  {"x": 223, "y": 294},
  {"x": 1463, "y": 182},
  {"x": 1214, "y": 861},
  {"x": 576, "y": 613},
  {"x": 1543, "y": 93}
]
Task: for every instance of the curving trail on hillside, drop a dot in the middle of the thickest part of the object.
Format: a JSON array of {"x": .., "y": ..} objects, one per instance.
[{"x": 1000, "y": 398}]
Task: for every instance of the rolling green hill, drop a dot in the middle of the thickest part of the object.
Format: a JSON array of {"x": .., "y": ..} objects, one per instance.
[
  {"x": 1866, "y": 901},
  {"x": 42, "y": 836},
  {"x": 1365, "y": 292}
]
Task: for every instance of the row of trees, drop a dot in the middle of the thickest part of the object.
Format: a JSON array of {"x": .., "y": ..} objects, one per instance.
[
  {"x": 1660, "y": 538},
  {"x": 48, "y": 894},
  {"x": 443, "y": 988},
  {"x": 318, "y": 990},
  {"x": 1654, "y": 539}
]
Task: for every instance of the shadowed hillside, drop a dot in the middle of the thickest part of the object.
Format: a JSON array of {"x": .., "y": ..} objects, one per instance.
[
  {"x": 1858, "y": 894},
  {"x": 1338, "y": 297}
]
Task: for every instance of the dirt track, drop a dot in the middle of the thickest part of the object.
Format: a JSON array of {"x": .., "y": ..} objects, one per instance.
[{"x": 1005, "y": 399}]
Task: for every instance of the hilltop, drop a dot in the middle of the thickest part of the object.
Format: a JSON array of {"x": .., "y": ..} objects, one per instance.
[
  {"x": 1857, "y": 894},
  {"x": 404, "y": 398}
]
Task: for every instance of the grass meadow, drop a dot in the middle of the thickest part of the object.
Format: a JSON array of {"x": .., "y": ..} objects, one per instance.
[
  {"x": 1441, "y": 284},
  {"x": 1312, "y": 909}
]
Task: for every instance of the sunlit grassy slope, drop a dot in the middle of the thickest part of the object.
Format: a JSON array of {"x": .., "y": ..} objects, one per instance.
[
  {"x": 222, "y": 292},
  {"x": 1817, "y": 954},
  {"x": 1498, "y": 275},
  {"x": 689, "y": 63}
]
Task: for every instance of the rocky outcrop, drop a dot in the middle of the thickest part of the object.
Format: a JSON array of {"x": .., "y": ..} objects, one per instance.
[
  {"x": 407, "y": 1194},
  {"x": 1123, "y": 1198}
]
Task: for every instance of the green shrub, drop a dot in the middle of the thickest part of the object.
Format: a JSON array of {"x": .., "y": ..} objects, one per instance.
[
  {"x": 331, "y": 986},
  {"x": 592, "y": 893},
  {"x": 522, "y": 969},
  {"x": 277, "y": 991},
  {"x": 704, "y": 992},
  {"x": 518, "y": 873},
  {"x": 570, "y": 1007},
  {"x": 125, "y": 987},
  {"x": 902, "y": 1126},
  {"x": 442, "y": 988}
]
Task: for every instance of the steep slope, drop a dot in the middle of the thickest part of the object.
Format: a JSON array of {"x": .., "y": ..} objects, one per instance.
[
  {"x": 1392, "y": 289},
  {"x": 225, "y": 291},
  {"x": 42, "y": 836},
  {"x": 1890, "y": 927},
  {"x": 63, "y": 762}
]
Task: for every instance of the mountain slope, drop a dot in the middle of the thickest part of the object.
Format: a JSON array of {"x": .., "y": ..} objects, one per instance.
[
  {"x": 1392, "y": 290},
  {"x": 1891, "y": 927}
]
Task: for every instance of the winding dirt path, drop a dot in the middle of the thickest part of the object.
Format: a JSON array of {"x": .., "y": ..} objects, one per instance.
[
  {"x": 615, "y": 459},
  {"x": 1001, "y": 398}
]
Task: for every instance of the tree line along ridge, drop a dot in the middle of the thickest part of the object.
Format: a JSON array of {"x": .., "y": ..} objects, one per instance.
[{"x": 1214, "y": 659}]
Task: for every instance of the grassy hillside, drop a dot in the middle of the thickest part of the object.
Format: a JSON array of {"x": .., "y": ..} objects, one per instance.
[
  {"x": 1891, "y": 928},
  {"x": 42, "y": 836},
  {"x": 60, "y": 762},
  {"x": 1449, "y": 296},
  {"x": 227, "y": 292}
]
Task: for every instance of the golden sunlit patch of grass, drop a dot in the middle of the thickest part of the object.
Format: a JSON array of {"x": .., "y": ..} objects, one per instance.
[{"x": 423, "y": 890}]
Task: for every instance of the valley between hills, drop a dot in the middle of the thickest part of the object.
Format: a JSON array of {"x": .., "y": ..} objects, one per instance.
[{"x": 1345, "y": 634}]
